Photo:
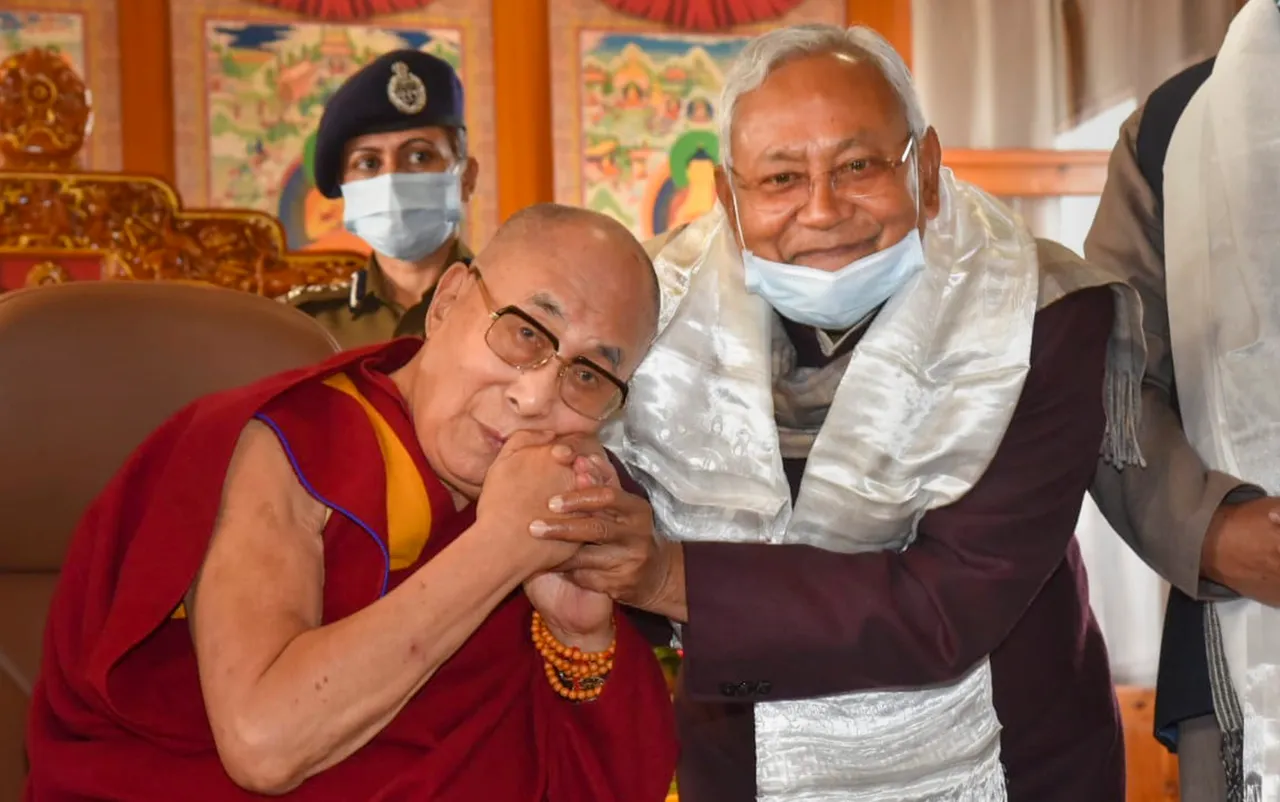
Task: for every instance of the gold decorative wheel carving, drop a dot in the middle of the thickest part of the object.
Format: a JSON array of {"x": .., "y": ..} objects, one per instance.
[{"x": 44, "y": 111}]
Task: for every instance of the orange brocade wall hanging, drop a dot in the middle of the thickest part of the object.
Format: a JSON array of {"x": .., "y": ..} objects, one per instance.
[
  {"x": 345, "y": 10},
  {"x": 704, "y": 15}
]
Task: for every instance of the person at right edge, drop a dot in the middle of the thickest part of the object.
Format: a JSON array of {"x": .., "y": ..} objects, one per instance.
[
  {"x": 392, "y": 144},
  {"x": 1214, "y": 536}
]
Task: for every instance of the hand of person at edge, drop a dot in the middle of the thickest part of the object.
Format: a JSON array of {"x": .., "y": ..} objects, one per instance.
[
  {"x": 621, "y": 555},
  {"x": 576, "y": 615},
  {"x": 1242, "y": 549}
]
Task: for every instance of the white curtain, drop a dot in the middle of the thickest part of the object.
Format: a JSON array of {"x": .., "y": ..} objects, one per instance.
[
  {"x": 985, "y": 71},
  {"x": 1018, "y": 73},
  {"x": 987, "y": 75},
  {"x": 1116, "y": 49},
  {"x": 1127, "y": 598}
]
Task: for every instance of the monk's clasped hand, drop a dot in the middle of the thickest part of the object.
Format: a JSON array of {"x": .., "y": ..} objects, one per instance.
[{"x": 620, "y": 554}]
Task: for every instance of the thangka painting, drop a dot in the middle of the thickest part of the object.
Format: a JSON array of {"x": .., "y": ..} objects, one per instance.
[
  {"x": 251, "y": 82},
  {"x": 634, "y": 109},
  {"x": 84, "y": 33}
]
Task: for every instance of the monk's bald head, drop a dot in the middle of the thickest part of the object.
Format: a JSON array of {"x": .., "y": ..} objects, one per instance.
[
  {"x": 570, "y": 238},
  {"x": 547, "y": 324}
]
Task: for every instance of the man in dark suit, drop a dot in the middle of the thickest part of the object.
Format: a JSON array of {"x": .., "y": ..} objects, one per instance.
[{"x": 869, "y": 513}]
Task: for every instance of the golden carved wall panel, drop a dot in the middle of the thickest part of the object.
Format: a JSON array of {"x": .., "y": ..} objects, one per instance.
[
  {"x": 137, "y": 222},
  {"x": 44, "y": 112},
  {"x": 141, "y": 223},
  {"x": 83, "y": 34}
]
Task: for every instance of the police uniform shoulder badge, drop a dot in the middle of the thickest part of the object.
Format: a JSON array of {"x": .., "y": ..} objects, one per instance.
[
  {"x": 405, "y": 90},
  {"x": 313, "y": 293}
]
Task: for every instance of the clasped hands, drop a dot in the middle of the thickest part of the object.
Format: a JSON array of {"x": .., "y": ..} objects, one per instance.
[
  {"x": 598, "y": 539},
  {"x": 619, "y": 553}
]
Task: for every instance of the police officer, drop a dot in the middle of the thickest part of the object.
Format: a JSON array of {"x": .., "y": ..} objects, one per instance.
[{"x": 393, "y": 144}]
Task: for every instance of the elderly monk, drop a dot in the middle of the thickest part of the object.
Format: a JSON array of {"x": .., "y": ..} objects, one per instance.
[
  {"x": 866, "y": 432},
  {"x": 1211, "y": 534},
  {"x": 323, "y": 585}
]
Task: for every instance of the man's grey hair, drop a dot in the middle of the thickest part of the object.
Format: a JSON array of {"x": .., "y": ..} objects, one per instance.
[{"x": 769, "y": 51}]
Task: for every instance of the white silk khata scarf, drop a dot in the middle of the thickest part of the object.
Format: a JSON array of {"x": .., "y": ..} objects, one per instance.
[
  {"x": 1222, "y": 255},
  {"x": 906, "y": 423}
]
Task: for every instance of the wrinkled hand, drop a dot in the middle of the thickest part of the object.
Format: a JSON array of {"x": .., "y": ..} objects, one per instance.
[
  {"x": 589, "y": 460},
  {"x": 621, "y": 555},
  {"x": 1242, "y": 549},
  {"x": 575, "y": 615},
  {"x": 523, "y": 477}
]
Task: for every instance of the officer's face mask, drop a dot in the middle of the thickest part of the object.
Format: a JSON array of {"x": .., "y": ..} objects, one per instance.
[{"x": 404, "y": 215}]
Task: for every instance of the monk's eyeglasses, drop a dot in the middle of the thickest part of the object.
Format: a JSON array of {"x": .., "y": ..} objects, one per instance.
[
  {"x": 786, "y": 191},
  {"x": 525, "y": 344}
]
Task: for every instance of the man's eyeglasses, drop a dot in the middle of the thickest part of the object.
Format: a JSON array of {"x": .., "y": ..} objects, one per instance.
[
  {"x": 862, "y": 177},
  {"x": 525, "y": 344}
]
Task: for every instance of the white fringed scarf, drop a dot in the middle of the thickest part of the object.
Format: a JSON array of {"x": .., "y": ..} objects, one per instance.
[{"x": 1222, "y": 246}]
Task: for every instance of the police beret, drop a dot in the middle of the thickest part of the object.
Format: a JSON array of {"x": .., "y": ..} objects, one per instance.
[{"x": 400, "y": 90}]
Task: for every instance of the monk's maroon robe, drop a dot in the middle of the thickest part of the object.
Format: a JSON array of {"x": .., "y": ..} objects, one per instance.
[{"x": 118, "y": 712}]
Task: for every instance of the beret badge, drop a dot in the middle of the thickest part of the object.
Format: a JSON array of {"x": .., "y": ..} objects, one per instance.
[{"x": 405, "y": 90}]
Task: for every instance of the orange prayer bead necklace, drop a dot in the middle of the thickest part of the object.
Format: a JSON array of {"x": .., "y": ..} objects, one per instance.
[{"x": 574, "y": 674}]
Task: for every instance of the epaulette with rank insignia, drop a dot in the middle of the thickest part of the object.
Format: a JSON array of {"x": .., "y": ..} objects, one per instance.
[{"x": 318, "y": 293}]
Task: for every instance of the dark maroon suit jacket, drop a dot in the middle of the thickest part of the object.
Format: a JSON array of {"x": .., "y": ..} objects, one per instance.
[{"x": 997, "y": 573}]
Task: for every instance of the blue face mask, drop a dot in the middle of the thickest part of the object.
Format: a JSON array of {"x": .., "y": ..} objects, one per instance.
[
  {"x": 404, "y": 215},
  {"x": 835, "y": 299}
]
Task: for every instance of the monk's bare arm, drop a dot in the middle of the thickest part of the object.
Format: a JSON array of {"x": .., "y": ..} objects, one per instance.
[{"x": 286, "y": 696}]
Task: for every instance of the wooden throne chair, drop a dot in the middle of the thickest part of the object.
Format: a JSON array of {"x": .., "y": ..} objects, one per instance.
[{"x": 61, "y": 224}]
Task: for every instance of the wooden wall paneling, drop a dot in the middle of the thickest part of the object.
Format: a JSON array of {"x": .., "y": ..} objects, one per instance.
[
  {"x": 146, "y": 88},
  {"x": 522, "y": 86},
  {"x": 1031, "y": 173},
  {"x": 892, "y": 18},
  {"x": 1152, "y": 771}
]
